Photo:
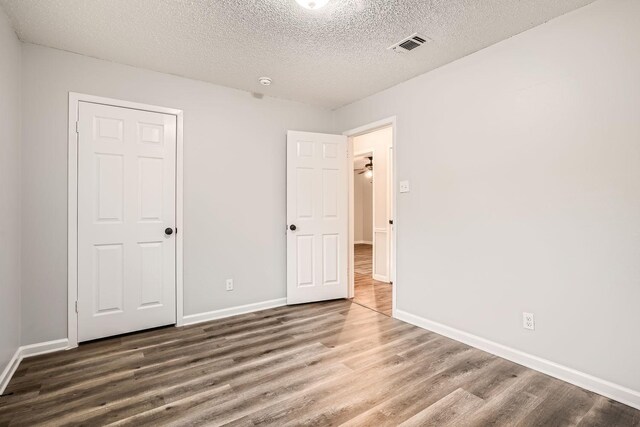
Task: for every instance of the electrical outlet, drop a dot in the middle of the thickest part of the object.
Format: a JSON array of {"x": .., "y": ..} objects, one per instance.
[
  {"x": 528, "y": 321},
  {"x": 404, "y": 186},
  {"x": 229, "y": 284}
]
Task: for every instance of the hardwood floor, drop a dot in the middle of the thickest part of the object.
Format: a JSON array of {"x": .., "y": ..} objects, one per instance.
[
  {"x": 363, "y": 259},
  {"x": 330, "y": 363},
  {"x": 367, "y": 291}
]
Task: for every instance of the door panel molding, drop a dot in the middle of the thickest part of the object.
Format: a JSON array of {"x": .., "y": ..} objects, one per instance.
[{"x": 111, "y": 131}]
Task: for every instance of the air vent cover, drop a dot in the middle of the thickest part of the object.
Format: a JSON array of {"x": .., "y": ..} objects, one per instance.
[{"x": 407, "y": 44}]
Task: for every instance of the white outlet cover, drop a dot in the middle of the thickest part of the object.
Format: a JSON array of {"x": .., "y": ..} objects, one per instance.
[
  {"x": 528, "y": 321},
  {"x": 404, "y": 186},
  {"x": 229, "y": 284}
]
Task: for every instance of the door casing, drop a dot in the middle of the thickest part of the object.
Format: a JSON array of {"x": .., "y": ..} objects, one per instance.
[{"x": 72, "y": 211}]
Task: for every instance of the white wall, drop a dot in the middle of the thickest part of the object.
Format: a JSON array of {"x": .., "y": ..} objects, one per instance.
[
  {"x": 524, "y": 166},
  {"x": 9, "y": 191},
  {"x": 362, "y": 208},
  {"x": 379, "y": 143},
  {"x": 234, "y": 196}
]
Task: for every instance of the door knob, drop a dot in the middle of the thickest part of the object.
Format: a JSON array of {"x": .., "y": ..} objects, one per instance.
[
  {"x": 292, "y": 227},
  {"x": 168, "y": 231}
]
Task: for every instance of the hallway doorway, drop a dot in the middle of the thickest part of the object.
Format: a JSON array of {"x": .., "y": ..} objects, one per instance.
[{"x": 371, "y": 219}]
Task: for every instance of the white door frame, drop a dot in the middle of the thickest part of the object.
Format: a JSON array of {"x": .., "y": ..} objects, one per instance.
[
  {"x": 72, "y": 211},
  {"x": 361, "y": 130}
]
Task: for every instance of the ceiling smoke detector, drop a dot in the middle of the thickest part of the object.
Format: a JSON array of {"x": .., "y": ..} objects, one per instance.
[
  {"x": 312, "y": 4},
  {"x": 407, "y": 44},
  {"x": 264, "y": 81}
]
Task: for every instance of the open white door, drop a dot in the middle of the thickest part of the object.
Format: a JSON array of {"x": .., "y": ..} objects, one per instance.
[{"x": 317, "y": 217}]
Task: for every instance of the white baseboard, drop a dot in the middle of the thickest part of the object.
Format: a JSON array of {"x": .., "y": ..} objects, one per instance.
[
  {"x": 43, "y": 347},
  {"x": 9, "y": 370},
  {"x": 28, "y": 351},
  {"x": 598, "y": 385},
  {"x": 232, "y": 311},
  {"x": 363, "y": 242}
]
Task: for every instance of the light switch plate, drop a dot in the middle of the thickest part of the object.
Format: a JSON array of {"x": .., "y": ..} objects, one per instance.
[{"x": 404, "y": 186}]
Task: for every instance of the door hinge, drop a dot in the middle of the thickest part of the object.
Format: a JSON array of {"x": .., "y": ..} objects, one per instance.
[
  {"x": 76, "y": 306},
  {"x": 77, "y": 127}
]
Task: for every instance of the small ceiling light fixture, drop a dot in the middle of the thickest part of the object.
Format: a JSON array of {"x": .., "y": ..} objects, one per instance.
[
  {"x": 368, "y": 173},
  {"x": 265, "y": 81},
  {"x": 312, "y": 4}
]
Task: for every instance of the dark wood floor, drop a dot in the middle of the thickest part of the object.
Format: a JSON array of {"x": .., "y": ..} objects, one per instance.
[
  {"x": 331, "y": 363},
  {"x": 367, "y": 291}
]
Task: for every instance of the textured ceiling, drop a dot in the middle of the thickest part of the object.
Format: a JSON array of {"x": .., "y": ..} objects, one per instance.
[{"x": 329, "y": 57}]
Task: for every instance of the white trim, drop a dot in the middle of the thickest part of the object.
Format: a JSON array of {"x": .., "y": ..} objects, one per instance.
[
  {"x": 29, "y": 351},
  {"x": 9, "y": 370},
  {"x": 377, "y": 231},
  {"x": 72, "y": 221},
  {"x": 351, "y": 233},
  {"x": 72, "y": 208},
  {"x": 191, "y": 319},
  {"x": 380, "y": 278},
  {"x": 44, "y": 347},
  {"x": 598, "y": 385},
  {"x": 374, "y": 218},
  {"x": 371, "y": 127},
  {"x": 394, "y": 216},
  {"x": 179, "y": 218},
  {"x": 390, "y": 207}
]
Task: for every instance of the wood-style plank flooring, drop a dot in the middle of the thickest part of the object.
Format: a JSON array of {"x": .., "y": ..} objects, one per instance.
[
  {"x": 330, "y": 363},
  {"x": 367, "y": 291}
]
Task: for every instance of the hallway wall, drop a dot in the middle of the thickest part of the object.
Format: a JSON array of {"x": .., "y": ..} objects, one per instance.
[{"x": 363, "y": 208}]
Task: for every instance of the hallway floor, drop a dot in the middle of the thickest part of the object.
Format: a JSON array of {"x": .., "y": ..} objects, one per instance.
[{"x": 369, "y": 292}]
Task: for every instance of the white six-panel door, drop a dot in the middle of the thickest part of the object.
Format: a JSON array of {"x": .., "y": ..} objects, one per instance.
[
  {"x": 317, "y": 217},
  {"x": 126, "y": 201}
]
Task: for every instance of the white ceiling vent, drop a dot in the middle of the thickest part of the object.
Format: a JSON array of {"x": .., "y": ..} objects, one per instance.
[{"x": 407, "y": 44}]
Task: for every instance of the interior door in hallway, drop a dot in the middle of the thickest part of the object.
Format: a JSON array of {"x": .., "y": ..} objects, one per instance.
[
  {"x": 126, "y": 220},
  {"x": 317, "y": 217}
]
